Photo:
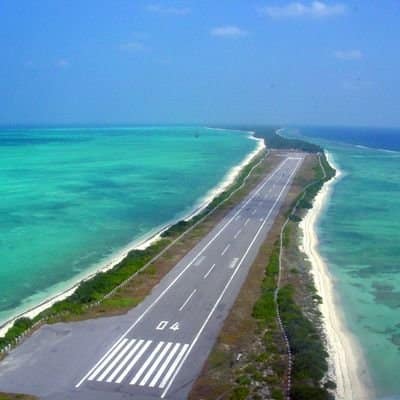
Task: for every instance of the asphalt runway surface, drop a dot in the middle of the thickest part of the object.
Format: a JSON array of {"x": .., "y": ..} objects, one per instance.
[{"x": 156, "y": 350}]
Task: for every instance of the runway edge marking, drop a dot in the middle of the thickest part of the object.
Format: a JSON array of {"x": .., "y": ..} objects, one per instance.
[
  {"x": 227, "y": 285},
  {"x": 182, "y": 272}
]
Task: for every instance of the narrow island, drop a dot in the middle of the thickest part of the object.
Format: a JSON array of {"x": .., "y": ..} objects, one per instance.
[{"x": 274, "y": 343}]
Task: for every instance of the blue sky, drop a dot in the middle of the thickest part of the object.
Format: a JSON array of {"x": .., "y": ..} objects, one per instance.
[{"x": 225, "y": 61}]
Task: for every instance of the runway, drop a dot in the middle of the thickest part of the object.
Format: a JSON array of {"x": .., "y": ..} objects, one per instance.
[{"x": 158, "y": 349}]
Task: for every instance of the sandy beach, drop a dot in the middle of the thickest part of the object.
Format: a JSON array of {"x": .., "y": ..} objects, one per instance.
[
  {"x": 138, "y": 244},
  {"x": 346, "y": 363}
]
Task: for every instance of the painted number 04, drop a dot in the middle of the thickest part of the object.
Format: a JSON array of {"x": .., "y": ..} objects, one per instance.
[{"x": 165, "y": 324}]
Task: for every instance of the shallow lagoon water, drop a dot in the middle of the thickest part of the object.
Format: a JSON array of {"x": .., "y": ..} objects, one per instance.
[
  {"x": 70, "y": 198},
  {"x": 359, "y": 236}
]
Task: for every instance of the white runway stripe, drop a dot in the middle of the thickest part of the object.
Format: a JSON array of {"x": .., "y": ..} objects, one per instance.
[
  {"x": 155, "y": 364},
  {"x": 107, "y": 359},
  {"x": 134, "y": 361},
  {"x": 237, "y": 234},
  {"x": 225, "y": 249},
  {"x": 199, "y": 261},
  {"x": 209, "y": 271},
  {"x": 94, "y": 370},
  {"x": 146, "y": 363},
  {"x": 164, "y": 365},
  {"x": 187, "y": 300},
  {"x": 124, "y": 361},
  {"x": 247, "y": 221},
  {"x": 116, "y": 359},
  {"x": 173, "y": 367}
]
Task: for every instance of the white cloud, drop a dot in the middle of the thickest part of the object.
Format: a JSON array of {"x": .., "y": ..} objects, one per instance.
[
  {"x": 159, "y": 9},
  {"x": 315, "y": 9},
  {"x": 62, "y": 63},
  {"x": 228, "y": 31},
  {"x": 133, "y": 46},
  {"x": 348, "y": 55}
]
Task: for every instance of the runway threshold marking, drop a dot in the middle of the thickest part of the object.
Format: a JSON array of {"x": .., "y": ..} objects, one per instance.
[
  {"x": 124, "y": 361},
  {"x": 227, "y": 284},
  {"x": 122, "y": 337},
  {"x": 187, "y": 300},
  {"x": 146, "y": 363},
  {"x": 134, "y": 361},
  {"x": 161, "y": 361},
  {"x": 156, "y": 363},
  {"x": 164, "y": 365},
  {"x": 107, "y": 359},
  {"x": 209, "y": 271},
  {"x": 116, "y": 359}
]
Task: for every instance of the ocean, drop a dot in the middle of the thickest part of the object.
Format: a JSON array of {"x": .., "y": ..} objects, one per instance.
[
  {"x": 359, "y": 235},
  {"x": 71, "y": 198}
]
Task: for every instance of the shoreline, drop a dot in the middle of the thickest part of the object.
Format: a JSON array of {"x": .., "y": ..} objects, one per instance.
[
  {"x": 142, "y": 242},
  {"x": 346, "y": 363}
]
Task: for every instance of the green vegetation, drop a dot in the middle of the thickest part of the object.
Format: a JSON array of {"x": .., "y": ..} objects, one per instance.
[
  {"x": 322, "y": 172},
  {"x": 309, "y": 355},
  {"x": 275, "y": 141},
  {"x": 94, "y": 290},
  {"x": 16, "y": 396},
  {"x": 310, "y": 358},
  {"x": 265, "y": 309},
  {"x": 265, "y": 312}
]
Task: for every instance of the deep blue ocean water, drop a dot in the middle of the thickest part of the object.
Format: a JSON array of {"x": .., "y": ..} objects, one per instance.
[{"x": 360, "y": 239}]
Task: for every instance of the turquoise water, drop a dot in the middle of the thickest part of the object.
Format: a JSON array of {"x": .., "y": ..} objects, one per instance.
[
  {"x": 70, "y": 198},
  {"x": 360, "y": 236}
]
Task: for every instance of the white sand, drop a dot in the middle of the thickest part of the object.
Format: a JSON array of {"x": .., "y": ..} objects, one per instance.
[
  {"x": 141, "y": 243},
  {"x": 346, "y": 364}
]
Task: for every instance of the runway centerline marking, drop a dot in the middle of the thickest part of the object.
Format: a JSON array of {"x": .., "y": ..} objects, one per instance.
[
  {"x": 209, "y": 271},
  {"x": 225, "y": 249},
  {"x": 237, "y": 234},
  {"x": 247, "y": 221},
  {"x": 161, "y": 295},
  {"x": 187, "y": 300},
  {"x": 227, "y": 285},
  {"x": 199, "y": 261}
]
